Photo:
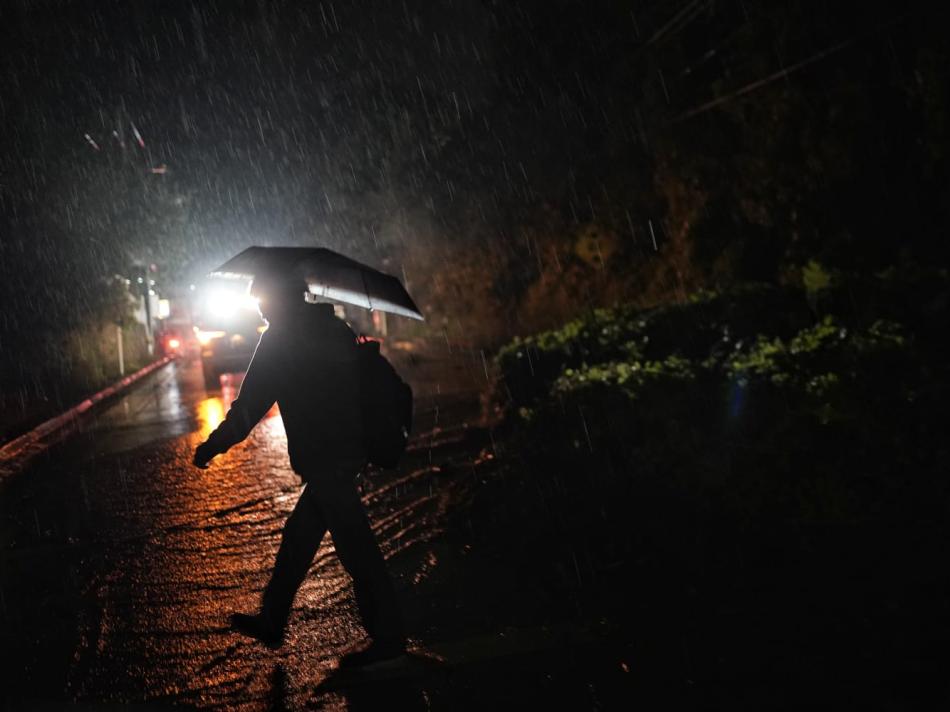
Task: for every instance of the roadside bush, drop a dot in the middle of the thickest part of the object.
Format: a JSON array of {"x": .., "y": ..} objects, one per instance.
[
  {"x": 709, "y": 322},
  {"x": 671, "y": 429}
]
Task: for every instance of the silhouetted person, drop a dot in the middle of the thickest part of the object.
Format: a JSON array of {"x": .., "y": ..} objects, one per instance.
[{"x": 306, "y": 361}]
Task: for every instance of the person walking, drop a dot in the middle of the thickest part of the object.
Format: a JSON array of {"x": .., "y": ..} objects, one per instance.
[{"x": 307, "y": 362}]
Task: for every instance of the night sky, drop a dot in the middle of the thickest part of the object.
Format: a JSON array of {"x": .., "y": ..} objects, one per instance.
[
  {"x": 423, "y": 136},
  {"x": 272, "y": 120},
  {"x": 293, "y": 122},
  {"x": 277, "y": 122}
]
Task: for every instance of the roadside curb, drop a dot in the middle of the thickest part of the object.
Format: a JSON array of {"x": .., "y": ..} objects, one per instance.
[{"x": 25, "y": 446}]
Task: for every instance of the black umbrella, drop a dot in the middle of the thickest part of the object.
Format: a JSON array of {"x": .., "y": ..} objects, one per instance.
[{"x": 327, "y": 274}]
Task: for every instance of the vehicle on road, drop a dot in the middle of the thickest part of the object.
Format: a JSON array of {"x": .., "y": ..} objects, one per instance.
[
  {"x": 170, "y": 341},
  {"x": 227, "y": 326}
]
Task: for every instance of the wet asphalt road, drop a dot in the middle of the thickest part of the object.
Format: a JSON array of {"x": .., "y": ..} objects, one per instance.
[{"x": 121, "y": 561}]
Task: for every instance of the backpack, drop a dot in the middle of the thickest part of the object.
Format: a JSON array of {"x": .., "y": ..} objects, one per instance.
[{"x": 385, "y": 404}]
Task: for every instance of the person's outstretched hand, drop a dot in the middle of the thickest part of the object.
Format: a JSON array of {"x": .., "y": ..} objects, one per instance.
[{"x": 203, "y": 455}]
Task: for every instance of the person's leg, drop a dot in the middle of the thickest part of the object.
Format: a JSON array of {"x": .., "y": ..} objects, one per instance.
[
  {"x": 299, "y": 542},
  {"x": 360, "y": 555}
]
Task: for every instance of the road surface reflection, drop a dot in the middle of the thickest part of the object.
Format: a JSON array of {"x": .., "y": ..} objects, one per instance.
[
  {"x": 211, "y": 410},
  {"x": 155, "y": 554}
]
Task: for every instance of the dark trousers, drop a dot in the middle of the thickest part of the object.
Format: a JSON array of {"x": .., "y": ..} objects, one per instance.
[{"x": 330, "y": 502}]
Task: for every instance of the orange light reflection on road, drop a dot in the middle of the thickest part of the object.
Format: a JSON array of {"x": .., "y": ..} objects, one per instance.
[
  {"x": 211, "y": 411},
  {"x": 210, "y": 415},
  {"x": 274, "y": 428}
]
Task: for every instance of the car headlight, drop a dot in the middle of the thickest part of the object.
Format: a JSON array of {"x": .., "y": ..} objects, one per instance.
[{"x": 222, "y": 305}]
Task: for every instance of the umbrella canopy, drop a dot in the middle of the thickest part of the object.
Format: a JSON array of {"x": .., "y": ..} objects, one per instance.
[{"x": 327, "y": 274}]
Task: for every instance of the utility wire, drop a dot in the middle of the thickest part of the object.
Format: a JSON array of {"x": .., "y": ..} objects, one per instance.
[
  {"x": 781, "y": 74},
  {"x": 758, "y": 84},
  {"x": 690, "y": 7}
]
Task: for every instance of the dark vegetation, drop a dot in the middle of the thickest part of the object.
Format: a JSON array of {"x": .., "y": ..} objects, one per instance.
[
  {"x": 757, "y": 473},
  {"x": 50, "y": 360}
]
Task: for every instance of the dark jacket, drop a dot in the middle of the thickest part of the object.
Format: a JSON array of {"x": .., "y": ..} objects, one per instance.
[{"x": 310, "y": 368}]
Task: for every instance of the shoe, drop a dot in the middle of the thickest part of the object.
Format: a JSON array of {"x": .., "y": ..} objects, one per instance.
[
  {"x": 259, "y": 627},
  {"x": 376, "y": 655}
]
